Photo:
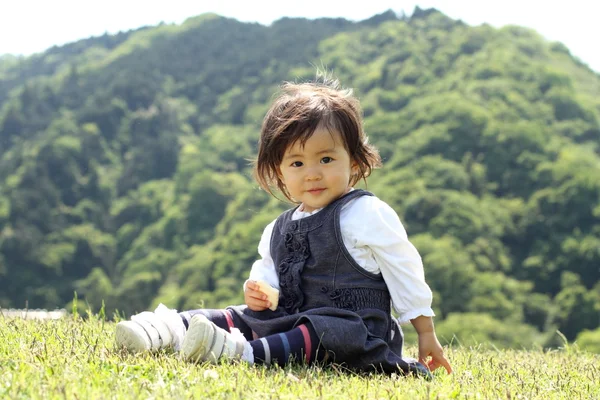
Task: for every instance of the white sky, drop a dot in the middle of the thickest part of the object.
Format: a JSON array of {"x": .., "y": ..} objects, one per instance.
[{"x": 30, "y": 26}]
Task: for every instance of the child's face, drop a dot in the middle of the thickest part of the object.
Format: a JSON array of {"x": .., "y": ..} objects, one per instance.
[{"x": 318, "y": 172}]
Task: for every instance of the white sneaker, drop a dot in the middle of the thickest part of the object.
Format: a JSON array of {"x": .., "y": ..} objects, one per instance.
[
  {"x": 132, "y": 337},
  {"x": 204, "y": 341},
  {"x": 145, "y": 332},
  {"x": 173, "y": 320}
]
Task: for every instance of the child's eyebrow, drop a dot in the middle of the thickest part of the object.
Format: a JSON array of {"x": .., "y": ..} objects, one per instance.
[
  {"x": 330, "y": 150},
  {"x": 288, "y": 156},
  {"x": 295, "y": 155}
]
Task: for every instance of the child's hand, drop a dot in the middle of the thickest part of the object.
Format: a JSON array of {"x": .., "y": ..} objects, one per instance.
[
  {"x": 254, "y": 298},
  {"x": 429, "y": 346}
]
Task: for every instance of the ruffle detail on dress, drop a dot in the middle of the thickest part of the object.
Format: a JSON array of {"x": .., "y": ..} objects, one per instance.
[
  {"x": 355, "y": 299},
  {"x": 290, "y": 270}
]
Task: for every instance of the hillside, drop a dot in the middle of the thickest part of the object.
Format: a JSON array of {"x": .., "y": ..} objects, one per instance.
[{"x": 124, "y": 173}]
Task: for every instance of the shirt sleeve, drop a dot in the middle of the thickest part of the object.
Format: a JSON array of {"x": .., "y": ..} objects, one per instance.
[
  {"x": 378, "y": 227},
  {"x": 264, "y": 268}
]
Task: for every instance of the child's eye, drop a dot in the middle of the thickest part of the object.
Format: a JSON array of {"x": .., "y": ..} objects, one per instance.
[
  {"x": 326, "y": 160},
  {"x": 297, "y": 164}
]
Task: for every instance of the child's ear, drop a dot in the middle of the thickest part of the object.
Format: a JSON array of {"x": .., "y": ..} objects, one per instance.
[{"x": 354, "y": 168}]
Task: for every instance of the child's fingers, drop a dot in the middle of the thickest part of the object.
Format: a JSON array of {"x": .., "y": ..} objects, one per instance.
[
  {"x": 255, "y": 294},
  {"x": 259, "y": 301},
  {"x": 443, "y": 361},
  {"x": 435, "y": 363},
  {"x": 257, "y": 304},
  {"x": 251, "y": 285},
  {"x": 432, "y": 365}
]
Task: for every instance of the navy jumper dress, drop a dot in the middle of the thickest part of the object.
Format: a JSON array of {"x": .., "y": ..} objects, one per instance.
[{"x": 321, "y": 284}]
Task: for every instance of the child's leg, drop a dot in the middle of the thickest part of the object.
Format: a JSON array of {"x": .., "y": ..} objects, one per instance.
[
  {"x": 165, "y": 328},
  {"x": 223, "y": 318},
  {"x": 301, "y": 344},
  {"x": 205, "y": 341}
]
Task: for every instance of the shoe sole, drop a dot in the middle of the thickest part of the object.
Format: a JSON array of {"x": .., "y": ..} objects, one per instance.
[
  {"x": 196, "y": 342},
  {"x": 128, "y": 337}
]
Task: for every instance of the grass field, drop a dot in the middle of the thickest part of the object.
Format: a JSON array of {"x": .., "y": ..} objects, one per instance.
[{"x": 76, "y": 359}]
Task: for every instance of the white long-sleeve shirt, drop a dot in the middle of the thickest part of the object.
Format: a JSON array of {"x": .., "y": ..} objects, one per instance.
[{"x": 376, "y": 239}]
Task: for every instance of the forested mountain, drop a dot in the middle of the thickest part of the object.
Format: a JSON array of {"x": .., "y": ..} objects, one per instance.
[{"x": 124, "y": 171}]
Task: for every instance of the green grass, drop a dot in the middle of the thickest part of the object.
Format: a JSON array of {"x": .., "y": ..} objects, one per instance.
[{"x": 76, "y": 359}]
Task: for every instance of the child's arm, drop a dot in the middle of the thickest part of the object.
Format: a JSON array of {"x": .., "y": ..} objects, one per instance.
[
  {"x": 264, "y": 268},
  {"x": 401, "y": 267},
  {"x": 382, "y": 246},
  {"x": 262, "y": 272},
  {"x": 429, "y": 345}
]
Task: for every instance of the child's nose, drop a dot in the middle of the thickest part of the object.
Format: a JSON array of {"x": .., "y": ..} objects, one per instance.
[{"x": 313, "y": 173}]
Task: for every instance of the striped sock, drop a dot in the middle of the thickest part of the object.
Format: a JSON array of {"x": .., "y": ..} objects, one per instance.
[
  {"x": 221, "y": 318},
  {"x": 299, "y": 344},
  {"x": 225, "y": 319}
]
